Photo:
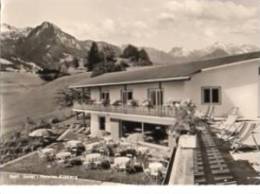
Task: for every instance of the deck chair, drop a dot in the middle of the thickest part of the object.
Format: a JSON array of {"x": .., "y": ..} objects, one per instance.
[
  {"x": 230, "y": 114},
  {"x": 237, "y": 142},
  {"x": 226, "y": 126},
  {"x": 236, "y": 132},
  {"x": 209, "y": 113}
]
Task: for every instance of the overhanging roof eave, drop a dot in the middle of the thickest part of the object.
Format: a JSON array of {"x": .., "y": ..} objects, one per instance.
[{"x": 179, "y": 78}]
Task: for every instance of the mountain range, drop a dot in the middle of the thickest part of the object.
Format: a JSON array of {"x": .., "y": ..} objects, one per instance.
[{"x": 47, "y": 45}]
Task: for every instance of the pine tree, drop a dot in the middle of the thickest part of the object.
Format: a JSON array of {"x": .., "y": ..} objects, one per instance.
[{"x": 93, "y": 57}]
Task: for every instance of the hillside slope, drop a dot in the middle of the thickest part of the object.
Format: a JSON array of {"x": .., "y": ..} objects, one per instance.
[
  {"x": 13, "y": 83},
  {"x": 37, "y": 102}
]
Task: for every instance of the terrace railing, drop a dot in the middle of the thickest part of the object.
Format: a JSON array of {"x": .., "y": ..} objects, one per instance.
[{"x": 160, "y": 111}]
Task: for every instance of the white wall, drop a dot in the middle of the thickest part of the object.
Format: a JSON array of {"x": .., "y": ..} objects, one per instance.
[
  {"x": 114, "y": 92},
  {"x": 239, "y": 86},
  {"x": 174, "y": 91},
  {"x": 95, "y": 93},
  {"x": 94, "y": 124},
  {"x": 140, "y": 91}
]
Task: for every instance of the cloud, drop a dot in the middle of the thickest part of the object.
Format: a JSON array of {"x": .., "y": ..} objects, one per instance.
[
  {"x": 157, "y": 23},
  {"x": 109, "y": 25},
  {"x": 114, "y": 30},
  {"x": 211, "y": 10}
]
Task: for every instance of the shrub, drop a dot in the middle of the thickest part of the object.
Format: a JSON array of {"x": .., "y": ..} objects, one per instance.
[
  {"x": 75, "y": 162},
  {"x": 128, "y": 151},
  {"x": 130, "y": 169},
  {"x": 105, "y": 164},
  {"x": 17, "y": 150},
  {"x": 11, "y": 143},
  {"x": 26, "y": 149},
  {"x": 54, "y": 120},
  {"x": 110, "y": 151},
  {"x": 24, "y": 141}
]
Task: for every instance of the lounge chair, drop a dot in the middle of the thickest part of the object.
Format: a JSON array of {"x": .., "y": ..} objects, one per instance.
[
  {"x": 209, "y": 114},
  {"x": 227, "y": 124},
  {"x": 238, "y": 142},
  {"x": 236, "y": 131}
]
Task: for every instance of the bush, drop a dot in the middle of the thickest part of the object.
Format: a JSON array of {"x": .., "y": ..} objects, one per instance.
[
  {"x": 18, "y": 150},
  {"x": 128, "y": 151},
  {"x": 75, "y": 162},
  {"x": 43, "y": 124},
  {"x": 105, "y": 164},
  {"x": 10, "y": 143},
  {"x": 138, "y": 168},
  {"x": 54, "y": 120},
  {"x": 26, "y": 149},
  {"x": 131, "y": 168},
  {"x": 48, "y": 74},
  {"x": 102, "y": 68}
]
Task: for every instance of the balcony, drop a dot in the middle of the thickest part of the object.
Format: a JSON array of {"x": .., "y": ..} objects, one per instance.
[{"x": 158, "y": 111}]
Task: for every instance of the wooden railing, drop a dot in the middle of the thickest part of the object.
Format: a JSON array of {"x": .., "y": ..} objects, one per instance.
[{"x": 160, "y": 111}]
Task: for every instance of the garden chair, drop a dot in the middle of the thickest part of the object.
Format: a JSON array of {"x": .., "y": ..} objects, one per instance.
[
  {"x": 209, "y": 113},
  {"x": 226, "y": 126},
  {"x": 238, "y": 141},
  {"x": 232, "y": 113},
  {"x": 235, "y": 131}
]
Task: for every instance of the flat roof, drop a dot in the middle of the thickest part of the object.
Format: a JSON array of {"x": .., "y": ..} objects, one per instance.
[{"x": 162, "y": 73}]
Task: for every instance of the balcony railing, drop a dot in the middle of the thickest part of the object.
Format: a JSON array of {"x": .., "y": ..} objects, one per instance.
[{"x": 160, "y": 111}]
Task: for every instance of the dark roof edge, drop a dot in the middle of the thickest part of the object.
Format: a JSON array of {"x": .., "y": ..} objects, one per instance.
[{"x": 179, "y": 78}]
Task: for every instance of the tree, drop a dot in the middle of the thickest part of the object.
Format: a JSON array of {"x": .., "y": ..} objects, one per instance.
[
  {"x": 144, "y": 59},
  {"x": 75, "y": 63},
  {"x": 110, "y": 66},
  {"x": 131, "y": 52},
  {"x": 93, "y": 56}
]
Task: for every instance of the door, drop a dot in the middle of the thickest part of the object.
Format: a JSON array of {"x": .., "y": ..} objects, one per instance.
[
  {"x": 126, "y": 96},
  {"x": 156, "y": 97}
]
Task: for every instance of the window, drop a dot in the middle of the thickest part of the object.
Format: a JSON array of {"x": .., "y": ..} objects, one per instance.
[
  {"x": 211, "y": 95},
  {"x": 104, "y": 96},
  {"x": 126, "y": 95},
  {"x": 102, "y": 123},
  {"x": 130, "y": 95}
]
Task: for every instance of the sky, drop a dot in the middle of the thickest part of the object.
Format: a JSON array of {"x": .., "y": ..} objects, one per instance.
[{"x": 163, "y": 24}]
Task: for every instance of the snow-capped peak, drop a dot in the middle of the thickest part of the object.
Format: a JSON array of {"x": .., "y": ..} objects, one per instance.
[
  {"x": 179, "y": 52},
  {"x": 231, "y": 48}
]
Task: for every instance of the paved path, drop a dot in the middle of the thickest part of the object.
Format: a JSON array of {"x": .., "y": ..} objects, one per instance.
[{"x": 210, "y": 165}]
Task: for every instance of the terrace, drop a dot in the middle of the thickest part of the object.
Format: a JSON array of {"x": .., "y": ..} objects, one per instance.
[{"x": 158, "y": 111}]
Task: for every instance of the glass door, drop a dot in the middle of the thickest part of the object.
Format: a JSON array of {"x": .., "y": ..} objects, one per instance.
[{"x": 156, "y": 97}]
